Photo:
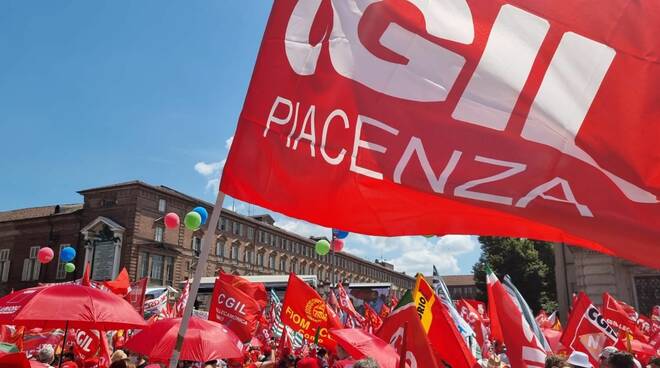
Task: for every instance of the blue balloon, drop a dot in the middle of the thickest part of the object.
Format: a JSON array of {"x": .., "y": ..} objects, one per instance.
[
  {"x": 67, "y": 254},
  {"x": 203, "y": 213},
  {"x": 339, "y": 234}
]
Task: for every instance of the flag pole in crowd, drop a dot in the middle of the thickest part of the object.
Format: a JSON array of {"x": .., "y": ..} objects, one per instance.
[{"x": 200, "y": 270}]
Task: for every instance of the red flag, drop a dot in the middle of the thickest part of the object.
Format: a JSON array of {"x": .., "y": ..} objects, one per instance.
[
  {"x": 372, "y": 318},
  {"x": 586, "y": 330},
  {"x": 305, "y": 312},
  {"x": 347, "y": 306},
  {"x": 119, "y": 285},
  {"x": 385, "y": 311},
  {"x": 621, "y": 316},
  {"x": 104, "y": 356},
  {"x": 522, "y": 347},
  {"x": 284, "y": 346},
  {"x": 85, "y": 279},
  {"x": 183, "y": 300},
  {"x": 331, "y": 299},
  {"x": 256, "y": 290},
  {"x": 136, "y": 295},
  {"x": 479, "y": 118},
  {"x": 495, "y": 325},
  {"x": 438, "y": 324},
  {"x": 86, "y": 343},
  {"x": 234, "y": 309},
  {"x": 471, "y": 316},
  {"x": 417, "y": 346}
]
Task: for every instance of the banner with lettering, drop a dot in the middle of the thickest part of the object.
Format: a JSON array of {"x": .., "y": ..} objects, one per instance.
[
  {"x": 587, "y": 330},
  {"x": 525, "y": 118},
  {"x": 234, "y": 309},
  {"x": 306, "y": 313},
  {"x": 136, "y": 294}
]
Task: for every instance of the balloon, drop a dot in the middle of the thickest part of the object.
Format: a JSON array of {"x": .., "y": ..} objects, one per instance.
[
  {"x": 322, "y": 247},
  {"x": 429, "y": 236},
  {"x": 45, "y": 255},
  {"x": 202, "y": 212},
  {"x": 339, "y": 234},
  {"x": 193, "y": 220},
  {"x": 172, "y": 220},
  {"x": 67, "y": 254},
  {"x": 337, "y": 245},
  {"x": 69, "y": 267}
]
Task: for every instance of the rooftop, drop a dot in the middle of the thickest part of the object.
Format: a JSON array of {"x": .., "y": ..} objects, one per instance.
[
  {"x": 455, "y": 280},
  {"x": 36, "y": 212}
]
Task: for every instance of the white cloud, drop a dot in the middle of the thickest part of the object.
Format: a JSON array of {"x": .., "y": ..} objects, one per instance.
[
  {"x": 210, "y": 168},
  {"x": 300, "y": 227},
  {"x": 228, "y": 142}
]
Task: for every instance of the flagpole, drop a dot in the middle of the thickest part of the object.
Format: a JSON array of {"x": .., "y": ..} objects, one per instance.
[{"x": 207, "y": 241}]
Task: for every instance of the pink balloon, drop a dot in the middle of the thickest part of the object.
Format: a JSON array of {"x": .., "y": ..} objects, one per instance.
[
  {"x": 45, "y": 255},
  {"x": 172, "y": 220},
  {"x": 337, "y": 245}
]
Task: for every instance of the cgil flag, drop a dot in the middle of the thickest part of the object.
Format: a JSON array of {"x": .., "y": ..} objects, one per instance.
[
  {"x": 233, "y": 308},
  {"x": 458, "y": 117},
  {"x": 586, "y": 330}
]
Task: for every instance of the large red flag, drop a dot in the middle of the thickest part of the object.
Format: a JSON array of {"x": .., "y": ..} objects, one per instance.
[
  {"x": 234, "y": 309},
  {"x": 418, "y": 349},
  {"x": 460, "y": 117},
  {"x": 586, "y": 330},
  {"x": 306, "y": 313},
  {"x": 522, "y": 346},
  {"x": 256, "y": 290}
]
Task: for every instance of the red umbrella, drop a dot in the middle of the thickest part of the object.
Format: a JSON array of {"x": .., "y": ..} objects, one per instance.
[
  {"x": 361, "y": 344},
  {"x": 18, "y": 360},
  {"x": 68, "y": 306},
  {"x": 204, "y": 341}
]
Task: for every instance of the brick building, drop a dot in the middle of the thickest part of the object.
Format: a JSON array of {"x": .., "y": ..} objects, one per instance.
[
  {"x": 121, "y": 225},
  {"x": 459, "y": 286}
]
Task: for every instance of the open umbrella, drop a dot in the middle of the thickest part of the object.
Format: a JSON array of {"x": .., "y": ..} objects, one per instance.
[
  {"x": 361, "y": 344},
  {"x": 205, "y": 340},
  {"x": 18, "y": 360},
  {"x": 68, "y": 306}
]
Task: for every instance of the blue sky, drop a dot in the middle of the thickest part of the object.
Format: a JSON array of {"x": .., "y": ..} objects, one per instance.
[{"x": 98, "y": 92}]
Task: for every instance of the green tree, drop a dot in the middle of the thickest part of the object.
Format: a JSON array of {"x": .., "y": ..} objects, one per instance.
[{"x": 529, "y": 263}]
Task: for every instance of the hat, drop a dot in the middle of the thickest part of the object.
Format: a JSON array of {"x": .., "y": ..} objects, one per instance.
[
  {"x": 579, "y": 359},
  {"x": 117, "y": 356},
  {"x": 607, "y": 351},
  {"x": 46, "y": 354}
]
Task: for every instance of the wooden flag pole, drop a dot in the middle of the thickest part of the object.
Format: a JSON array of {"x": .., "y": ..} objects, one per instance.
[{"x": 207, "y": 241}]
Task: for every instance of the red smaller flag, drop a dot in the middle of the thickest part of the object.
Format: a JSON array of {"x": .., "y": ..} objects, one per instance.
[
  {"x": 372, "y": 318},
  {"x": 347, "y": 306},
  {"x": 85, "y": 279},
  {"x": 418, "y": 350},
  {"x": 621, "y": 316},
  {"x": 284, "y": 346},
  {"x": 255, "y": 290},
  {"x": 385, "y": 311},
  {"x": 121, "y": 284},
  {"x": 137, "y": 294},
  {"x": 180, "y": 305}
]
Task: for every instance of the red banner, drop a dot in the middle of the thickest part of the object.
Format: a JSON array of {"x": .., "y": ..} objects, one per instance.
[
  {"x": 255, "y": 290},
  {"x": 306, "y": 313},
  {"x": 136, "y": 295},
  {"x": 587, "y": 331},
  {"x": 234, "y": 309},
  {"x": 481, "y": 117}
]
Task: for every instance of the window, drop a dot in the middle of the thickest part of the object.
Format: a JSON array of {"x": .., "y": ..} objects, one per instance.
[
  {"x": 161, "y": 205},
  {"x": 168, "y": 275},
  {"x": 156, "y": 271},
  {"x": 158, "y": 235},
  {"x": 60, "y": 274},
  {"x": 4, "y": 265},
  {"x": 312, "y": 270},
  {"x": 250, "y": 233},
  {"x": 236, "y": 229},
  {"x": 247, "y": 256},
  {"x": 196, "y": 245},
  {"x": 220, "y": 249},
  {"x": 262, "y": 236},
  {"x": 234, "y": 252},
  {"x": 223, "y": 224},
  {"x": 260, "y": 259},
  {"x": 303, "y": 269},
  {"x": 273, "y": 239},
  {"x": 282, "y": 264},
  {"x": 293, "y": 266},
  {"x": 31, "y": 266},
  {"x": 271, "y": 261},
  {"x": 143, "y": 264}
]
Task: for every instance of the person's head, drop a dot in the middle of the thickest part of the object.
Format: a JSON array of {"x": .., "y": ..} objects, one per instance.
[
  {"x": 654, "y": 363},
  {"x": 605, "y": 355},
  {"x": 122, "y": 364},
  {"x": 118, "y": 355},
  {"x": 554, "y": 361},
  {"x": 211, "y": 364},
  {"x": 620, "y": 360},
  {"x": 321, "y": 353},
  {"x": 579, "y": 359},
  {"x": 46, "y": 354},
  {"x": 365, "y": 363}
]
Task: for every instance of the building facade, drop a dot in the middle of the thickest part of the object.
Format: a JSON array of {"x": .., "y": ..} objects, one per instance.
[
  {"x": 121, "y": 225},
  {"x": 578, "y": 269}
]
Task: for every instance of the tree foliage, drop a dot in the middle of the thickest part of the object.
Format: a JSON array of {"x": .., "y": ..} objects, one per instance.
[{"x": 529, "y": 263}]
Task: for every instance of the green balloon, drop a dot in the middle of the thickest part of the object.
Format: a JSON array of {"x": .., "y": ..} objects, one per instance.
[
  {"x": 193, "y": 220},
  {"x": 429, "y": 236},
  {"x": 69, "y": 267},
  {"x": 322, "y": 247}
]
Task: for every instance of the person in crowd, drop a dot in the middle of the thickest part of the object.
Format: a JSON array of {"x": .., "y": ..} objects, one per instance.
[
  {"x": 555, "y": 361},
  {"x": 654, "y": 363},
  {"x": 365, "y": 363},
  {"x": 620, "y": 360},
  {"x": 322, "y": 358},
  {"x": 46, "y": 355},
  {"x": 211, "y": 364},
  {"x": 69, "y": 360},
  {"x": 124, "y": 363},
  {"x": 579, "y": 359},
  {"x": 308, "y": 362},
  {"x": 118, "y": 355},
  {"x": 605, "y": 355}
]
